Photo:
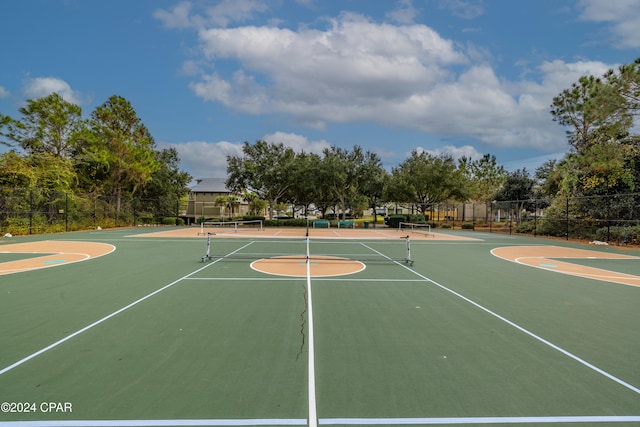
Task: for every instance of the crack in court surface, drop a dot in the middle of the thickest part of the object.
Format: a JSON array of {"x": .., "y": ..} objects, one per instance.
[{"x": 303, "y": 320}]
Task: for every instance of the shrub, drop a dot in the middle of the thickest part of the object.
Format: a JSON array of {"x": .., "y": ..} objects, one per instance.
[
  {"x": 526, "y": 227},
  {"x": 394, "y": 221},
  {"x": 172, "y": 220},
  {"x": 418, "y": 219},
  {"x": 619, "y": 235},
  {"x": 467, "y": 226},
  {"x": 145, "y": 219}
]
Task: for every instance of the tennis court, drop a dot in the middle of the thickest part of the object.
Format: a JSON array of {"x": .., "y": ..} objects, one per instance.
[{"x": 140, "y": 328}]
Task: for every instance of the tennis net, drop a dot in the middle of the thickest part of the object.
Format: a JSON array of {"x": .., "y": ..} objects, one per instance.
[
  {"x": 410, "y": 227},
  {"x": 227, "y": 226},
  {"x": 311, "y": 250}
]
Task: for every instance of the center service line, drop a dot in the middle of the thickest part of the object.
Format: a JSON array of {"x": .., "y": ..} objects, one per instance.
[{"x": 313, "y": 420}]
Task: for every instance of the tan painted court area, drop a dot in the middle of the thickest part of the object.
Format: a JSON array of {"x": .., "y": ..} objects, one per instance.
[
  {"x": 549, "y": 258},
  {"x": 51, "y": 253},
  {"x": 292, "y": 232},
  {"x": 296, "y": 266}
]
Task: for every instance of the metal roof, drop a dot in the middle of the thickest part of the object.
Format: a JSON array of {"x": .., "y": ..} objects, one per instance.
[{"x": 210, "y": 185}]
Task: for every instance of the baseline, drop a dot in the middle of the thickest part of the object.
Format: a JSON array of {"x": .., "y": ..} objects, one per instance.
[{"x": 329, "y": 421}]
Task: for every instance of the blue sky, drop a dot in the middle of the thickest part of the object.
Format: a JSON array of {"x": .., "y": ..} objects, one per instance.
[{"x": 458, "y": 77}]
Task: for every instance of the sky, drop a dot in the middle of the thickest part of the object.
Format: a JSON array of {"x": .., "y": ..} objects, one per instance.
[{"x": 452, "y": 77}]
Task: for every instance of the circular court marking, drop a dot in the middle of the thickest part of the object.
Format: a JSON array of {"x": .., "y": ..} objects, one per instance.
[
  {"x": 296, "y": 266},
  {"x": 51, "y": 253},
  {"x": 550, "y": 258}
]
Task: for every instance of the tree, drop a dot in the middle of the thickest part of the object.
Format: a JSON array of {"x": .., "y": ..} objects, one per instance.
[
  {"x": 264, "y": 168},
  {"x": 485, "y": 178},
  {"x": 47, "y": 132},
  {"x": 517, "y": 188},
  {"x": 305, "y": 174},
  {"x": 347, "y": 173},
  {"x": 167, "y": 186},
  {"x": 16, "y": 171},
  {"x": 221, "y": 202},
  {"x": 256, "y": 205},
  {"x": 626, "y": 82},
  {"x": 593, "y": 110},
  {"x": 121, "y": 146},
  {"x": 233, "y": 202},
  {"x": 425, "y": 180},
  {"x": 5, "y": 121},
  {"x": 549, "y": 178},
  {"x": 49, "y": 125}
]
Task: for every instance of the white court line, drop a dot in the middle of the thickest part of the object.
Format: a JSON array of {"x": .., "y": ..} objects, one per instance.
[
  {"x": 285, "y": 279},
  {"x": 157, "y": 423},
  {"x": 480, "y": 420},
  {"x": 326, "y": 421},
  {"x": 313, "y": 418},
  {"x": 521, "y": 329},
  {"x": 107, "y": 317}
]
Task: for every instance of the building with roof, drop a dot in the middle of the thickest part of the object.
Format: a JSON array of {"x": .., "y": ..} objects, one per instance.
[{"x": 205, "y": 200}]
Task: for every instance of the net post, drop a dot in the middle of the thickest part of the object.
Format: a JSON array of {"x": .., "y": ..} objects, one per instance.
[
  {"x": 201, "y": 232},
  {"x": 207, "y": 256},
  {"x": 407, "y": 258}
]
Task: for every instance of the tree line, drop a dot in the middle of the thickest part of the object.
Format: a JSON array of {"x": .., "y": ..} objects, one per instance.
[{"x": 352, "y": 180}]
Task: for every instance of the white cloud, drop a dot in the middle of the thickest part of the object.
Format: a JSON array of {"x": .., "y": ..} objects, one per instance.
[
  {"x": 453, "y": 151},
  {"x": 209, "y": 159},
  {"x": 4, "y": 93},
  {"x": 463, "y": 9},
  {"x": 403, "y": 76},
  {"x": 39, "y": 87},
  {"x": 405, "y": 13},
  {"x": 178, "y": 17},
  {"x": 228, "y": 11},
  {"x": 297, "y": 142},
  {"x": 623, "y": 15},
  {"x": 221, "y": 14},
  {"x": 205, "y": 159},
  {"x": 349, "y": 72}
]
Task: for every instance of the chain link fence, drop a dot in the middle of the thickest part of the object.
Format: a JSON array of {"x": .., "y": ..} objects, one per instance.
[
  {"x": 608, "y": 218},
  {"x": 37, "y": 211}
]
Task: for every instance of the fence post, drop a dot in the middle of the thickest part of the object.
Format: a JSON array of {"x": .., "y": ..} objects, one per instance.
[
  {"x": 535, "y": 217},
  {"x": 66, "y": 211},
  {"x": 30, "y": 211},
  {"x": 513, "y": 214},
  {"x": 567, "y": 222},
  {"x": 608, "y": 218}
]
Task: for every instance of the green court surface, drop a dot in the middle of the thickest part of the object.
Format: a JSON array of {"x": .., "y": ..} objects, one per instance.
[{"x": 150, "y": 335}]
